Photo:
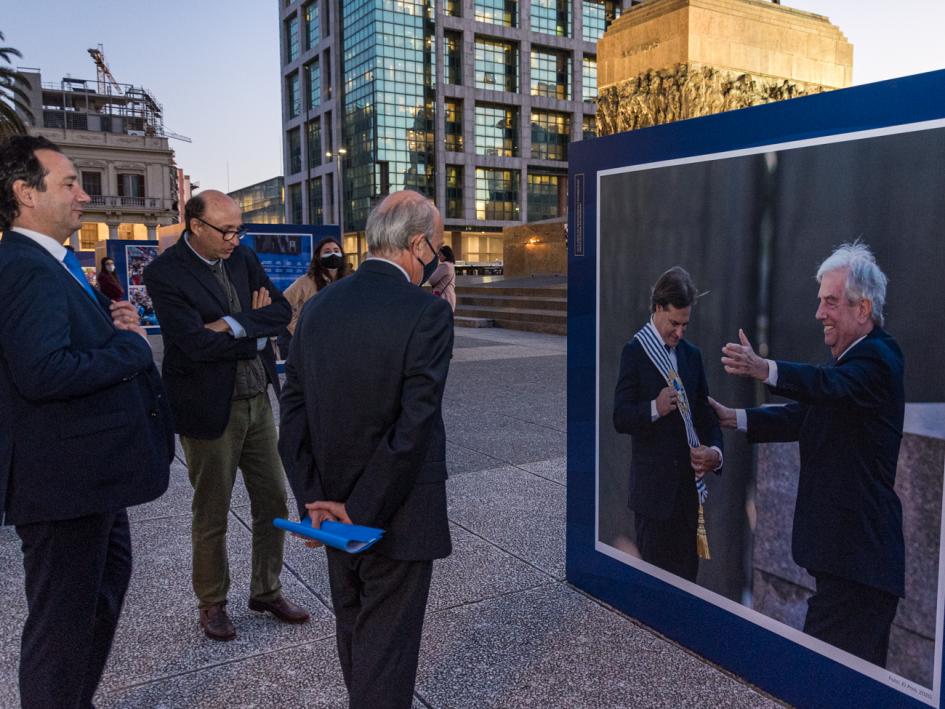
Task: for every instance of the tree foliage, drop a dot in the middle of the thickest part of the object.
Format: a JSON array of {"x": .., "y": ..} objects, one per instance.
[{"x": 13, "y": 98}]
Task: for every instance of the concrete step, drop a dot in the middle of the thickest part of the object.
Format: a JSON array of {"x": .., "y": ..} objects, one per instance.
[
  {"x": 548, "y": 292},
  {"x": 480, "y": 299},
  {"x": 548, "y": 328},
  {"x": 513, "y": 314},
  {"x": 465, "y": 321}
]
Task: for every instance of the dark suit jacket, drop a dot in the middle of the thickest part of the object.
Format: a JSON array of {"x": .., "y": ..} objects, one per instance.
[
  {"x": 659, "y": 464},
  {"x": 361, "y": 421},
  {"x": 199, "y": 365},
  {"x": 84, "y": 423},
  {"x": 848, "y": 420}
]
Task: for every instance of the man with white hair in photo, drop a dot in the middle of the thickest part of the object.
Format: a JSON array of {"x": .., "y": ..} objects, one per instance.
[{"x": 847, "y": 417}]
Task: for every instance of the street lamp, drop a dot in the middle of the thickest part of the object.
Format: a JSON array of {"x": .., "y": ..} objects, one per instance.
[{"x": 338, "y": 157}]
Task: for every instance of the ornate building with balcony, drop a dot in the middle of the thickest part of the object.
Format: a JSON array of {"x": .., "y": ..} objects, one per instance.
[{"x": 114, "y": 134}]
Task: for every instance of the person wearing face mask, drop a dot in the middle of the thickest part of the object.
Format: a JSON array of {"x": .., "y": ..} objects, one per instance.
[
  {"x": 327, "y": 266},
  {"x": 108, "y": 282},
  {"x": 443, "y": 280},
  {"x": 367, "y": 445}
]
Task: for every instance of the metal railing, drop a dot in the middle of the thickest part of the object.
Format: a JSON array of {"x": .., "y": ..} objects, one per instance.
[{"x": 137, "y": 203}]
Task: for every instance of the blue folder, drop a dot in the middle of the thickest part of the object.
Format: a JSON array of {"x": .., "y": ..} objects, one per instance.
[{"x": 351, "y": 538}]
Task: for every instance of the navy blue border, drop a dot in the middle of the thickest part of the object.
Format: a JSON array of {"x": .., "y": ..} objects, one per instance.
[{"x": 774, "y": 663}]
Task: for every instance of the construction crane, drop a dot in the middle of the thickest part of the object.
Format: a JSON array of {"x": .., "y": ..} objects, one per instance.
[{"x": 107, "y": 81}]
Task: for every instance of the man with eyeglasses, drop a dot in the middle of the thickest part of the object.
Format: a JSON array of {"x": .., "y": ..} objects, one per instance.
[{"x": 217, "y": 309}]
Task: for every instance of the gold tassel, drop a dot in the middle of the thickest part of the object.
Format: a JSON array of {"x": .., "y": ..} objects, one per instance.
[{"x": 702, "y": 539}]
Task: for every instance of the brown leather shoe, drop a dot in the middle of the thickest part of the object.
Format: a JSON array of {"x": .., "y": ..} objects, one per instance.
[
  {"x": 216, "y": 623},
  {"x": 282, "y": 608}
]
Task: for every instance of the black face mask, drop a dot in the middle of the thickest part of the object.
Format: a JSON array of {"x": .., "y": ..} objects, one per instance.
[
  {"x": 428, "y": 268},
  {"x": 331, "y": 261}
]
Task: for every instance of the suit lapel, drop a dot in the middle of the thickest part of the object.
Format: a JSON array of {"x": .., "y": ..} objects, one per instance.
[
  {"x": 200, "y": 272},
  {"x": 14, "y": 238}
]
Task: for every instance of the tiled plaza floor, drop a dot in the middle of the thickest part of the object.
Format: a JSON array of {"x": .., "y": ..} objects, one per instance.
[{"x": 503, "y": 629}]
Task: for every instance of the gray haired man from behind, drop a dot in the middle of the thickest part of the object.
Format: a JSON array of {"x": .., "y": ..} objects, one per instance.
[{"x": 363, "y": 442}]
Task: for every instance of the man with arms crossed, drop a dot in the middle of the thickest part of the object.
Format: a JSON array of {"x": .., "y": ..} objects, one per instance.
[
  {"x": 217, "y": 309},
  {"x": 85, "y": 430},
  {"x": 847, "y": 417},
  {"x": 363, "y": 442}
]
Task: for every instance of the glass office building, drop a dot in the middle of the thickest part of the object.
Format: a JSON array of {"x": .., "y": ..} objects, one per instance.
[{"x": 472, "y": 102}]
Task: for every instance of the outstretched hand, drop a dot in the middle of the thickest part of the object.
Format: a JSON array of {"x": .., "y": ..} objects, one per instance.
[
  {"x": 727, "y": 417},
  {"x": 740, "y": 359}
]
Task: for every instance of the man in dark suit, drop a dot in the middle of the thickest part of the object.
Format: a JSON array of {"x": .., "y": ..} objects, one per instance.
[
  {"x": 847, "y": 417},
  {"x": 665, "y": 464},
  {"x": 217, "y": 309},
  {"x": 85, "y": 430},
  {"x": 362, "y": 439}
]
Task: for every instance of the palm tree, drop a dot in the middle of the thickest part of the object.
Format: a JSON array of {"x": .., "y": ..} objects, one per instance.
[{"x": 13, "y": 98}]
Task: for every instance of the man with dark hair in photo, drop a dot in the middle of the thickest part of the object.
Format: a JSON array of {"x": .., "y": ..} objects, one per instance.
[
  {"x": 85, "y": 430},
  {"x": 661, "y": 401},
  {"x": 847, "y": 417}
]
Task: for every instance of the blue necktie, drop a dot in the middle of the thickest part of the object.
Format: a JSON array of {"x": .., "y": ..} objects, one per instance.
[{"x": 72, "y": 263}]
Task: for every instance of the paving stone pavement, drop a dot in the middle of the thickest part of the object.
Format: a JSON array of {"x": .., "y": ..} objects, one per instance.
[{"x": 503, "y": 628}]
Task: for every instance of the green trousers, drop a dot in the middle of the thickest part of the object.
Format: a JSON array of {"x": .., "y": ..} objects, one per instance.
[{"x": 249, "y": 443}]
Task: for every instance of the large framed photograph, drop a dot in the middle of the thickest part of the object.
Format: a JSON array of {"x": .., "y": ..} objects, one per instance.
[{"x": 750, "y": 204}]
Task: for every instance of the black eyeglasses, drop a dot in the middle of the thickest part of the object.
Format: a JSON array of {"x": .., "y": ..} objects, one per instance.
[{"x": 228, "y": 234}]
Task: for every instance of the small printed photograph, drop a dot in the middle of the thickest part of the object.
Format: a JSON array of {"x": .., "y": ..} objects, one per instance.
[
  {"x": 138, "y": 297},
  {"x": 138, "y": 258}
]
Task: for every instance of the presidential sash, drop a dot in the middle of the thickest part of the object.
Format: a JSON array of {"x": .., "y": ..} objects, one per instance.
[{"x": 655, "y": 350}]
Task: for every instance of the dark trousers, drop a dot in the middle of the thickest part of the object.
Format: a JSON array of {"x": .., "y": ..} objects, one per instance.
[
  {"x": 77, "y": 572},
  {"x": 671, "y": 543},
  {"x": 851, "y": 616},
  {"x": 379, "y": 605}
]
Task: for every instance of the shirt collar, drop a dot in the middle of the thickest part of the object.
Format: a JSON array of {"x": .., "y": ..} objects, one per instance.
[
  {"x": 854, "y": 344},
  {"x": 205, "y": 260},
  {"x": 392, "y": 263},
  {"x": 55, "y": 249}
]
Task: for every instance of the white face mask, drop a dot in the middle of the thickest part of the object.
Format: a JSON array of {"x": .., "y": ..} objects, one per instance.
[{"x": 110, "y": 267}]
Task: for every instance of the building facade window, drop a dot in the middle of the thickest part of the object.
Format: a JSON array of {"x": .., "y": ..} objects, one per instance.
[
  {"x": 551, "y": 133},
  {"x": 130, "y": 185},
  {"x": 482, "y": 249},
  {"x": 597, "y": 16},
  {"x": 454, "y": 57},
  {"x": 313, "y": 81},
  {"x": 294, "y": 149},
  {"x": 497, "y": 194},
  {"x": 551, "y": 74},
  {"x": 497, "y": 12},
  {"x": 589, "y": 127},
  {"x": 551, "y": 17},
  {"x": 496, "y": 65},
  {"x": 292, "y": 38},
  {"x": 588, "y": 78},
  {"x": 313, "y": 138},
  {"x": 454, "y": 191},
  {"x": 313, "y": 31},
  {"x": 547, "y": 196},
  {"x": 496, "y": 130},
  {"x": 92, "y": 182},
  {"x": 88, "y": 235},
  {"x": 295, "y": 203},
  {"x": 316, "y": 210},
  {"x": 453, "y": 129},
  {"x": 293, "y": 98},
  {"x": 453, "y": 8}
]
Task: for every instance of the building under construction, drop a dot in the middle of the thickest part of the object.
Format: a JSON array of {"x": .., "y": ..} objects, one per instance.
[{"x": 114, "y": 133}]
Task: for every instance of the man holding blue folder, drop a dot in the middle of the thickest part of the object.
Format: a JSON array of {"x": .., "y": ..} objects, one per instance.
[{"x": 363, "y": 442}]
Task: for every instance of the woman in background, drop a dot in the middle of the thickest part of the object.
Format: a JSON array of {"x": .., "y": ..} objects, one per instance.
[
  {"x": 443, "y": 279},
  {"x": 108, "y": 282},
  {"x": 327, "y": 266}
]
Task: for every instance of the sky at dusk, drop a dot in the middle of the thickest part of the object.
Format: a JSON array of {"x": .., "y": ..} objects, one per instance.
[{"x": 215, "y": 65}]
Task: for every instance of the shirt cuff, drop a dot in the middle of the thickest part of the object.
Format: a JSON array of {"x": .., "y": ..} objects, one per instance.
[
  {"x": 772, "y": 379},
  {"x": 261, "y": 343},
  {"x": 654, "y": 414},
  {"x": 741, "y": 420},
  {"x": 237, "y": 329},
  {"x": 721, "y": 457}
]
